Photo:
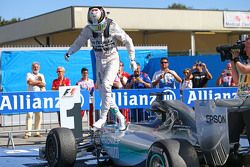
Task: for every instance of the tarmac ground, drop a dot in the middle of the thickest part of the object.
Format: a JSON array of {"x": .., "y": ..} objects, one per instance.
[{"x": 26, "y": 151}]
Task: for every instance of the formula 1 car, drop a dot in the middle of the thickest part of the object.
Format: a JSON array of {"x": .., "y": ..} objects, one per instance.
[{"x": 178, "y": 137}]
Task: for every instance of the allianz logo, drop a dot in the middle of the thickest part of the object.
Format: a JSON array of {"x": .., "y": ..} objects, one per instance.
[
  {"x": 126, "y": 99},
  {"x": 194, "y": 95},
  {"x": 170, "y": 95}
]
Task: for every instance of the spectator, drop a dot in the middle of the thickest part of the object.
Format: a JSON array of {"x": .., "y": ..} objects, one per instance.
[
  {"x": 117, "y": 83},
  {"x": 165, "y": 78},
  {"x": 104, "y": 34},
  {"x": 86, "y": 83},
  {"x": 123, "y": 80},
  {"x": 226, "y": 79},
  {"x": 35, "y": 82},
  {"x": 123, "y": 75},
  {"x": 186, "y": 83},
  {"x": 200, "y": 77},
  {"x": 138, "y": 80},
  {"x": 60, "y": 81}
]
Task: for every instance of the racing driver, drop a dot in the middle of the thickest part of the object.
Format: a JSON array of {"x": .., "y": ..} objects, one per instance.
[{"x": 103, "y": 34}]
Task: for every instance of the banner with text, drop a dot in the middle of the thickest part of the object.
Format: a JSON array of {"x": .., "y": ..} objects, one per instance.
[
  {"x": 22, "y": 102},
  {"x": 190, "y": 95},
  {"x": 136, "y": 98},
  {"x": 236, "y": 19}
]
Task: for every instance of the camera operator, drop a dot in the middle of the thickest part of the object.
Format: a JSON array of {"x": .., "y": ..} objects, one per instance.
[
  {"x": 200, "y": 77},
  {"x": 241, "y": 76}
]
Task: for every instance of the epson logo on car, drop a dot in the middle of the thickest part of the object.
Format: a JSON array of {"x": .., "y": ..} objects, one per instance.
[{"x": 215, "y": 119}]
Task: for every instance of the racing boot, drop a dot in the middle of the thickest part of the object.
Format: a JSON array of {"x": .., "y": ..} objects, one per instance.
[
  {"x": 99, "y": 124},
  {"x": 122, "y": 122},
  {"x": 121, "y": 118}
]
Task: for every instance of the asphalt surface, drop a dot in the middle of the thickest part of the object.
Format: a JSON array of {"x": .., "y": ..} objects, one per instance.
[{"x": 26, "y": 151}]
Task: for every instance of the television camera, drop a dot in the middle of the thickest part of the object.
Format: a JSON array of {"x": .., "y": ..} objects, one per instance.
[{"x": 225, "y": 50}]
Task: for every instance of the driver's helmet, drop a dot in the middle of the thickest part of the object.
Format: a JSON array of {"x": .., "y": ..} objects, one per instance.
[{"x": 97, "y": 19}]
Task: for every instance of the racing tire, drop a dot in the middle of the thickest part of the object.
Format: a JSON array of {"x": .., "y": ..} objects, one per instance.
[
  {"x": 172, "y": 153},
  {"x": 60, "y": 150}
]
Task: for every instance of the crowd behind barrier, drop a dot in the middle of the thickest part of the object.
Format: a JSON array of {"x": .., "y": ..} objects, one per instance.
[
  {"x": 16, "y": 103},
  {"x": 49, "y": 58},
  {"x": 13, "y": 105}
]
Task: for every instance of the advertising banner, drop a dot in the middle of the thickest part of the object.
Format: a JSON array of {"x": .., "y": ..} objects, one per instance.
[
  {"x": 237, "y": 19},
  {"x": 136, "y": 98},
  {"x": 191, "y": 95},
  {"x": 23, "y": 102}
]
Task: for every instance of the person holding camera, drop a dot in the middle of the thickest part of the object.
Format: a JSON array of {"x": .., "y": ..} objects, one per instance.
[
  {"x": 165, "y": 78},
  {"x": 200, "y": 75},
  {"x": 241, "y": 75},
  {"x": 138, "y": 80},
  {"x": 226, "y": 79}
]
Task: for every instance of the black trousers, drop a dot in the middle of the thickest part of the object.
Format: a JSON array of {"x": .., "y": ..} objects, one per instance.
[{"x": 237, "y": 121}]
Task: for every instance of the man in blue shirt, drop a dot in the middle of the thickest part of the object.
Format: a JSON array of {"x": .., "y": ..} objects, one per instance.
[{"x": 138, "y": 80}]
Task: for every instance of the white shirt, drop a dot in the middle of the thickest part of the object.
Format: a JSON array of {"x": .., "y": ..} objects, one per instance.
[
  {"x": 38, "y": 77},
  {"x": 167, "y": 81},
  {"x": 186, "y": 84}
]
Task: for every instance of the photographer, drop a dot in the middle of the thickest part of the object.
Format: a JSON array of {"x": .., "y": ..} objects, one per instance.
[
  {"x": 138, "y": 80},
  {"x": 226, "y": 79},
  {"x": 165, "y": 77},
  {"x": 200, "y": 77},
  {"x": 241, "y": 76}
]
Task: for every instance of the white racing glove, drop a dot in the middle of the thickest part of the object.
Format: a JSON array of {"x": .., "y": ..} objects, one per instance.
[
  {"x": 133, "y": 65},
  {"x": 66, "y": 57}
]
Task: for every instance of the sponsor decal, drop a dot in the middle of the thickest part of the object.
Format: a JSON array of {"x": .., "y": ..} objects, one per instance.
[
  {"x": 191, "y": 95},
  {"x": 69, "y": 92},
  {"x": 215, "y": 119},
  {"x": 22, "y": 102}
]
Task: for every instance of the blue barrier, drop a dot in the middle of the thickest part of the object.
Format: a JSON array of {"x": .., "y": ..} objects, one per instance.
[
  {"x": 22, "y": 102},
  {"x": 136, "y": 98},
  {"x": 190, "y": 95}
]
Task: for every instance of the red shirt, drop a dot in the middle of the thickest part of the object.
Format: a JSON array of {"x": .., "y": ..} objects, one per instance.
[
  {"x": 57, "y": 83},
  {"x": 125, "y": 74}
]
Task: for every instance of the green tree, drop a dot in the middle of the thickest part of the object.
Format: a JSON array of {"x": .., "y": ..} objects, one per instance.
[
  {"x": 4, "y": 22},
  {"x": 178, "y": 6}
]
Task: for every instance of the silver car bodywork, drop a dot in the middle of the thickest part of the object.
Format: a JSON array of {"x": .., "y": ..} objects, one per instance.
[{"x": 130, "y": 147}]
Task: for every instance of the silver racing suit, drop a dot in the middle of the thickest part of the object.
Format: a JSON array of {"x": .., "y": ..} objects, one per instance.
[{"x": 107, "y": 64}]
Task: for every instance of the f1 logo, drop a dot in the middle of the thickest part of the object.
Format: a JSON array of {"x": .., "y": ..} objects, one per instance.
[{"x": 69, "y": 92}]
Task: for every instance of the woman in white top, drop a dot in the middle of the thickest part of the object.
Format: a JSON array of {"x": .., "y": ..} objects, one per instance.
[{"x": 187, "y": 81}]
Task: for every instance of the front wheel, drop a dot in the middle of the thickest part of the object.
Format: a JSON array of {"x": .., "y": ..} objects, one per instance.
[
  {"x": 60, "y": 150},
  {"x": 172, "y": 153}
]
